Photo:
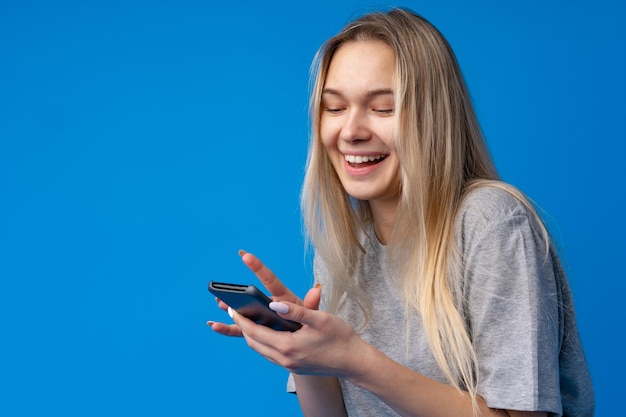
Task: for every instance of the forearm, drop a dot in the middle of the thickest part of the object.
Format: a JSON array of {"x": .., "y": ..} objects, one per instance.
[
  {"x": 319, "y": 396},
  {"x": 410, "y": 393}
]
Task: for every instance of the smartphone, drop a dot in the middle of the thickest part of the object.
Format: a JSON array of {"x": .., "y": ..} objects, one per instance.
[{"x": 249, "y": 301}]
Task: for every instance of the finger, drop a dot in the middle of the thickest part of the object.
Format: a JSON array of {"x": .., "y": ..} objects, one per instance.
[
  {"x": 312, "y": 298},
  {"x": 225, "y": 329},
  {"x": 267, "y": 277},
  {"x": 260, "y": 338},
  {"x": 250, "y": 329},
  {"x": 222, "y": 305},
  {"x": 294, "y": 312}
]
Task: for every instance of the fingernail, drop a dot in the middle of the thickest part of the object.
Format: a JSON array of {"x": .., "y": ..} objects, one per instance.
[
  {"x": 279, "y": 307},
  {"x": 318, "y": 285},
  {"x": 230, "y": 312},
  {"x": 241, "y": 252},
  {"x": 210, "y": 323}
]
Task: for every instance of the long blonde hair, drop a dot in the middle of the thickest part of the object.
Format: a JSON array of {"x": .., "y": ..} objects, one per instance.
[{"x": 442, "y": 157}]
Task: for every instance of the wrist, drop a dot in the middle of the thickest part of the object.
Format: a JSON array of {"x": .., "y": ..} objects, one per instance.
[{"x": 361, "y": 363}]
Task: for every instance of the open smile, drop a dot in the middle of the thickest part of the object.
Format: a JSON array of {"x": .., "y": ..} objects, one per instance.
[{"x": 362, "y": 161}]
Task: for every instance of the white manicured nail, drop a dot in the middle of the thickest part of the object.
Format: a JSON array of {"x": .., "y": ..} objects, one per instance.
[{"x": 279, "y": 307}]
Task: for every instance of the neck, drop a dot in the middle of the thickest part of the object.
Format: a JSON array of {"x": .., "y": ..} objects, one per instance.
[{"x": 384, "y": 215}]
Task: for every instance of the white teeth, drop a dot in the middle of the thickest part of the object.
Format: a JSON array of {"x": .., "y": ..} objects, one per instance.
[{"x": 358, "y": 159}]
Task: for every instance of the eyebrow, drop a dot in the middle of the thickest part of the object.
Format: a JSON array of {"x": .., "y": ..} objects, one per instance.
[{"x": 372, "y": 93}]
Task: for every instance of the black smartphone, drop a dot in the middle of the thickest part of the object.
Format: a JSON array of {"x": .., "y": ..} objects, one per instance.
[{"x": 249, "y": 301}]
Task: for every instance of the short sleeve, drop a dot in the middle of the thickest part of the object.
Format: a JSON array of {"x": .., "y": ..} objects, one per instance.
[{"x": 511, "y": 304}]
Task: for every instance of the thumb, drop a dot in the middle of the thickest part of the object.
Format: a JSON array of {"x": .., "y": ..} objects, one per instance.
[
  {"x": 312, "y": 298},
  {"x": 293, "y": 312}
]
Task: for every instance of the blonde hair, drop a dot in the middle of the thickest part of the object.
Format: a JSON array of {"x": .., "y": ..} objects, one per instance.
[{"x": 442, "y": 157}]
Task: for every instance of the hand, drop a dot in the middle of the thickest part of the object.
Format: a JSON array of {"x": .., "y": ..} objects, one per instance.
[
  {"x": 325, "y": 345},
  {"x": 275, "y": 287}
]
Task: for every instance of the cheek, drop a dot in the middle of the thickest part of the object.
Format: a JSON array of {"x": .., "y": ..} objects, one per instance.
[
  {"x": 327, "y": 135},
  {"x": 387, "y": 134}
]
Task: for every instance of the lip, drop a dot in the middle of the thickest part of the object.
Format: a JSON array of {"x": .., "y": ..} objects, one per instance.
[{"x": 364, "y": 154}]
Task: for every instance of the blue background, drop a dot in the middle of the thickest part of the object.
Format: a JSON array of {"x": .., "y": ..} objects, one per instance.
[{"x": 143, "y": 143}]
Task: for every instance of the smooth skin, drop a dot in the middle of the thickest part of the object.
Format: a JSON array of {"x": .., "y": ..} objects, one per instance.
[{"x": 356, "y": 121}]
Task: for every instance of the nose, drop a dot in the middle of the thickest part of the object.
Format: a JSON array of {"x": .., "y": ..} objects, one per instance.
[{"x": 355, "y": 127}]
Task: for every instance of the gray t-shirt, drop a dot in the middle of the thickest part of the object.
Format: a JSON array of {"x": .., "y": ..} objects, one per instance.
[{"x": 517, "y": 305}]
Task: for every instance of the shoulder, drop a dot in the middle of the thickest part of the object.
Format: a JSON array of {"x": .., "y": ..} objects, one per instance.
[
  {"x": 492, "y": 203},
  {"x": 495, "y": 208}
]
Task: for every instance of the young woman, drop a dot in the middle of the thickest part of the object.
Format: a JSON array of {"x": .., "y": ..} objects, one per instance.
[{"x": 441, "y": 293}]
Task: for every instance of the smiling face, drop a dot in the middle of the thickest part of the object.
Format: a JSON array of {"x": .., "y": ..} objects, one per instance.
[{"x": 357, "y": 122}]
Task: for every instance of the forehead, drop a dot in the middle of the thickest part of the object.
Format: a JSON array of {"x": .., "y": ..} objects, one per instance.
[{"x": 361, "y": 65}]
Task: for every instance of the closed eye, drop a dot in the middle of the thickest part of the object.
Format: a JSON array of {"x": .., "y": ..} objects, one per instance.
[{"x": 334, "y": 110}]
